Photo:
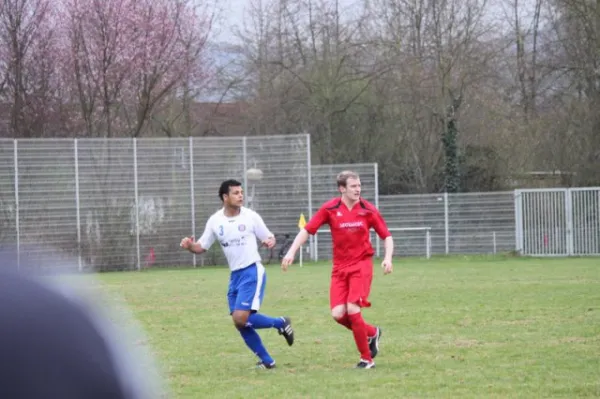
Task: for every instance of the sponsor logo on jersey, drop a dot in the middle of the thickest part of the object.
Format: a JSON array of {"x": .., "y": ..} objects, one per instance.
[{"x": 350, "y": 225}]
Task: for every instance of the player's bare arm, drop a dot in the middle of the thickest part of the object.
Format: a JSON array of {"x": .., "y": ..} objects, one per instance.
[
  {"x": 380, "y": 226},
  {"x": 320, "y": 218},
  {"x": 269, "y": 242},
  {"x": 300, "y": 239},
  {"x": 388, "y": 253},
  {"x": 262, "y": 232},
  {"x": 191, "y": 245}
]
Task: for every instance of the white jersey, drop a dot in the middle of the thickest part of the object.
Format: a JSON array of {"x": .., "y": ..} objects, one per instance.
[{"x": 237, "y": 236}]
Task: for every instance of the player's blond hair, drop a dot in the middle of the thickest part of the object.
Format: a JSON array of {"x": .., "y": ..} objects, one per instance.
[{"x": 342, "y": 177}]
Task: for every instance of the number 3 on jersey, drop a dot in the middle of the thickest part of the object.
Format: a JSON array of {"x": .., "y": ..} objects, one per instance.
[{"x": 221, "y": 230}]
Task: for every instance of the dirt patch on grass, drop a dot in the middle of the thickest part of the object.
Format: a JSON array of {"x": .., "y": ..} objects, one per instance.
[
  {"x": 520, "y": 322},
  {"x": 572, "y": 340},
  {"x": 467, "y": 343}
]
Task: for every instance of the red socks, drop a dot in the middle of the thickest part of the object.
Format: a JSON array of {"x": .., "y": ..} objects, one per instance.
[
  {"x": 359, "y": 330},
  {"x": 345, "y": 321},
  {"x": 371, "y": 330}
]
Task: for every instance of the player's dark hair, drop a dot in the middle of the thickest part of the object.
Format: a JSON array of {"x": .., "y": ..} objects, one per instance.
[{"x": 226, "y": 185}]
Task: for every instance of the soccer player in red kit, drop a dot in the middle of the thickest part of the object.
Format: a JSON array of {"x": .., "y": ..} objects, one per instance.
[{"x": 350, "y": 219}]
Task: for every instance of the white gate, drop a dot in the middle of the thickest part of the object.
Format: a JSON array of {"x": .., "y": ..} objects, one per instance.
[{"x": 558, "y": 221}]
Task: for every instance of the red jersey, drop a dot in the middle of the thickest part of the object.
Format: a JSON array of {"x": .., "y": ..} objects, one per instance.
[{"x": 349, "y": 229}]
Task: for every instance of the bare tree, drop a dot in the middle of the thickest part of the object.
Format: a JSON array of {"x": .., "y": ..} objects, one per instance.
[
  {"x": 307, "y": 68},
  {"x": 441, "y": 57},
  {"x": 575, "y": 122}
]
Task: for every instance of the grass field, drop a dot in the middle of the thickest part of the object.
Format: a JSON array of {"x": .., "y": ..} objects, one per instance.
[{"x": 457, "y": 327}]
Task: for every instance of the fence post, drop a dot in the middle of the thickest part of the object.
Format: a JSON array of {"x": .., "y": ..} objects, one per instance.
[
  {"x": 17, "y": 217},
  {"x": 378, "y": 243},
  {"x": 569, "y": 221},
  {"x": 137, "y": 204},
  {"x": 311, "y": 242},
  {"x": 446, "y": 224},
  {"x": 517, "y": 201},
  {"x": 427, "y": 244},
  {"x": 77, "y": 203},
  {"x": 245, "y": 161},
  {"x": 192, "y": 200}
]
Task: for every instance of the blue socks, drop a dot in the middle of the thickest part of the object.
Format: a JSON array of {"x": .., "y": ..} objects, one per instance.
[
  {"x": 255, "y": 344},
  {"x": 251, "y": 337},
  {"x": 258, "y": 321}
]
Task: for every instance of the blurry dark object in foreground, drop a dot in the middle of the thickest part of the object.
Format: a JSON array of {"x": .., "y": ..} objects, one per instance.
[
  {"x": 55, "y": 345},
  {"x": 37, "y": 259}
]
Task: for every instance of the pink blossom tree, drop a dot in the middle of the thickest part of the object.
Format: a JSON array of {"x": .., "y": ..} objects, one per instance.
[
  {"x": 28, "y": 80},
  {"x": 123, "y": 58},
  {"x": 171, "y": 54}
]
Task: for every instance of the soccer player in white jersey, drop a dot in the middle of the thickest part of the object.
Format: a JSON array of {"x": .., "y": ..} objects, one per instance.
[{"x": 237, "y": 229}]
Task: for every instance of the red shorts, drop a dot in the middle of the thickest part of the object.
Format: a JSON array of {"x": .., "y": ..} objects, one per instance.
[{"x": 352, "y": 284}]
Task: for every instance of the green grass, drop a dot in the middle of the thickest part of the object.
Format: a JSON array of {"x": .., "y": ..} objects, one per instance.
[{"x": 457, "y": 327}]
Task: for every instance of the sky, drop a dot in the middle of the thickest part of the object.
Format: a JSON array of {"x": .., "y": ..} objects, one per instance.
[{"x": 231, "y": 13}]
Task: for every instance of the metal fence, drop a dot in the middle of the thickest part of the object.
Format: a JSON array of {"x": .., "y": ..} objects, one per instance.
[
  {"x": 465, "y": 223},
  {"x": 558, "y": 222},
  {"x": 125, "y": 204}
]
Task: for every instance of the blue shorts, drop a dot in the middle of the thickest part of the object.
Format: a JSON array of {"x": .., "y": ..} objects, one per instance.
[{"x": 247, "y": 288}]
